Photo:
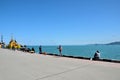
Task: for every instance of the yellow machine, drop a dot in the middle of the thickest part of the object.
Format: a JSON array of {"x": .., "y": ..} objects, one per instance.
[{"x": 13, "y": 44}]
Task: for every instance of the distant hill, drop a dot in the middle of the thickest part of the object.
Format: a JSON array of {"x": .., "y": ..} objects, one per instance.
[{"x": 114, "y": 43}]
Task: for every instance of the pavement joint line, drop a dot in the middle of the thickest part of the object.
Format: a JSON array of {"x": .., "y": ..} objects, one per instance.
[{"x": 66, "y": 71}]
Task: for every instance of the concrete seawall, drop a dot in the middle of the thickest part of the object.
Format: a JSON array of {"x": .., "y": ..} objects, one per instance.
[
  {"x": 17, "y": 65},
  {"x": 86, "y": 58}
]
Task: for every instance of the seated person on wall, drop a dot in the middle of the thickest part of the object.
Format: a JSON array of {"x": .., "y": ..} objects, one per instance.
[
  {"x": 32, "y": 50},
  {"x": 97, "y": 55}
]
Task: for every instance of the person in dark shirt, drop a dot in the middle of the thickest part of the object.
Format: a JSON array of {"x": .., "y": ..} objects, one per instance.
[
  {"x": 33, "y": 50},
  {"x": 60, "y": 50},
  {"x": 40, "y": 49},
  {"x": 97, "y": 55}
]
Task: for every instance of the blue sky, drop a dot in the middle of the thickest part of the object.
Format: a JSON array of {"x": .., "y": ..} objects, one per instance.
[{"x": 65, "y": 22}]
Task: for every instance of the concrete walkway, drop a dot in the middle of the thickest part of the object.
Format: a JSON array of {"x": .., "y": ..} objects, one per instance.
[{"x": 16, "y": 65}]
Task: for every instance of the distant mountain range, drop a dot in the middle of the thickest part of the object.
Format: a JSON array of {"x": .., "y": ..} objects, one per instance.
[{"x": 114, "y": 43}]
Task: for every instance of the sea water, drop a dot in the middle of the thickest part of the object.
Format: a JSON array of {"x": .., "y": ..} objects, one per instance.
[{"x": 106, "y": 51}]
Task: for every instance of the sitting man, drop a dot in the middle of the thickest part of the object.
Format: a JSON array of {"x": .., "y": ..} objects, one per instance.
[{"x": 97, "y": 55}]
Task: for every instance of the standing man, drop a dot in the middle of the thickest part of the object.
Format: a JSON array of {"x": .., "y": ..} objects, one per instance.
[
  {"x": 60, "y": 50},
  {"x": 40, "y": 49}
]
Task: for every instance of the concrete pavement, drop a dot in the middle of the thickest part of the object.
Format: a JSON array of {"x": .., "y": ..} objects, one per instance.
[{"x": 17, "y": 65}]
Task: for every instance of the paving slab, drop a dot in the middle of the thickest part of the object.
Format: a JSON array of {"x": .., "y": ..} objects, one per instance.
[{"x": 17, "y": 65}]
